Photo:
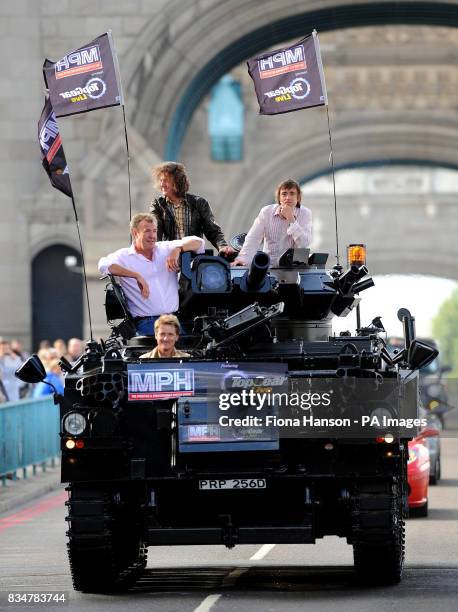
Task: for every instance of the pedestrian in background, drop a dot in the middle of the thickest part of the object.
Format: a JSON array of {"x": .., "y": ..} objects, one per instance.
[
  {"x": 74, "y": 350},
  {"x": 3, "y": 394},
  {"x": 54, "y": 377},
  {"x": 9, "y": 363},
  {"x": 60, "y": 347},
  {"x": 18, "y": 349}
]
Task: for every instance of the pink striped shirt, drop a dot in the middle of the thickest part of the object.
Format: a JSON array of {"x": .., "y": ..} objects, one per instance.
[{"x": 277, "y": 233}]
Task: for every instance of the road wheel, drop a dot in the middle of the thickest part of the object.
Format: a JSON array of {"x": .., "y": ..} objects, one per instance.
[
  {"x": 421, "y": 511},
  {"x": 378, "y": 533},
  {"x": 105, "y": 548},
  {"x": 435, "y": 474}
]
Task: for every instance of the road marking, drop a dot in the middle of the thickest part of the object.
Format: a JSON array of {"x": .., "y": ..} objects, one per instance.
[
  {"x": 262, "y": 552},
  {"x": 228, "y": 581},
  {"x": 29, "y": 513},
  {"x": 207, "y": 603}
]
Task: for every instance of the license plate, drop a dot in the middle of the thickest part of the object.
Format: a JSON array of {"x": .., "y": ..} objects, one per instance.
[{"x": 232, "y": 483}]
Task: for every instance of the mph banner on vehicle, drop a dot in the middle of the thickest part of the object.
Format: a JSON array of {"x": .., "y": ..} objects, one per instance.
[{"x": 252, "y": 402}]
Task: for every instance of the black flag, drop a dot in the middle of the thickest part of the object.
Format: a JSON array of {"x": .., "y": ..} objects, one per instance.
[
  {"x": 85, "y": 79},
  {"x": 290, "y": 78},
  {"x": 52, "y": 151}
]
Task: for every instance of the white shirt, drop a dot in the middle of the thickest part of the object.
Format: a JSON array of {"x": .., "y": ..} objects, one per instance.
[
  {"x": 163, "y": 285},
  {"x": 8, "y": 365},
  {"x": 277, "y": 233}
]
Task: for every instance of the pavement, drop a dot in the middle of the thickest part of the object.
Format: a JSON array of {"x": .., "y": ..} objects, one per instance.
[{"x": 25, "y": 490}]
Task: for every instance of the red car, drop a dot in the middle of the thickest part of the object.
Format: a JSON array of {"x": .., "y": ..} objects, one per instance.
[
  {"x": 418, "y": 472},
  {"x": 418, "y": 467}
]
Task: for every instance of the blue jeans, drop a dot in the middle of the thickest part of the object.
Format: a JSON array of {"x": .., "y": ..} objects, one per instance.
[{"x": 145, "y": 327}]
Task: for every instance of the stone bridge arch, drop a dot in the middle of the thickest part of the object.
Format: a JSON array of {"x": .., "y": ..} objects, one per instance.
[
  {"x": 402, "y": 239},
  {"x": 180, "y": 54},
  {"x": 355, "y": 143}
]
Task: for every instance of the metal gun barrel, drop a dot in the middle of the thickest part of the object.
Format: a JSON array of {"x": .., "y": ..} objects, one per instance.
[
  {"x": 258, "y": 270},
  {"x": 408, "y": 322},
  {"x": 350, "y": 277},
  {"x": 362, "y": 285}
]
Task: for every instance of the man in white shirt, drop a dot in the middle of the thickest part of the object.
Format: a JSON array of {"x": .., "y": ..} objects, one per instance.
[
  {"x": 280, "y": 226},
  {"x": 148, "y": 271}
]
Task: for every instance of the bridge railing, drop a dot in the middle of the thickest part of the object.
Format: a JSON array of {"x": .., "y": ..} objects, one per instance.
[{"x": 29, "y": 436}]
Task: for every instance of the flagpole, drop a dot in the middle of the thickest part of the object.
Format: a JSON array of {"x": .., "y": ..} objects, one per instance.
[
  {"x": 331, "y": 159},
  {"x": 84, "y": 268},
  {"x": 121, "y": 103},
  {"x": 316, "y": 43},
  {"x": 128, "y": 160}
]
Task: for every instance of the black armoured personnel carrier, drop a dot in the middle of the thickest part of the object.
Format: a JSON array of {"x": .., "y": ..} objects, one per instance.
[{"x": 273, "y": 431}]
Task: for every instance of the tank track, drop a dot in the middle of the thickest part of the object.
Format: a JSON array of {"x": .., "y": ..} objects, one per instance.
[
  {"x": 105, "y": 550},
  {"x": 378, "y": 532}
]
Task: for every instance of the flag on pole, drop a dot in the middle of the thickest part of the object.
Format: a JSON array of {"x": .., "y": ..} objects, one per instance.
[
  {"x": 52, "y": 151},
  {"x": 85, "y": 79},
  {"x": 290, "y": 78}
]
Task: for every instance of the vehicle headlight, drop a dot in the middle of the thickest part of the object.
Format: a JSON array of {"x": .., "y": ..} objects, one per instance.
[
  {"x": 213, "y": 277},
  {"x": 74, "y": 423},
  {"x": 381, "y": 413}
]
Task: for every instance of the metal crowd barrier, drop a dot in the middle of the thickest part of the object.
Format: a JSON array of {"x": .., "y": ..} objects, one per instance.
[{"x": 29, "y": 436}]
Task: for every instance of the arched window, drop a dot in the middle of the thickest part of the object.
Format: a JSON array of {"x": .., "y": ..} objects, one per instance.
[
  {"x": 57, "y": 295},
  {"x": 225, "y": 120}
]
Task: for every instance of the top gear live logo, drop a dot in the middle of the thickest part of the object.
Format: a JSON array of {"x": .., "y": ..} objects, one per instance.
[
  {"x": 79, "y": 62},
  {"x": 298, "y": 89},
  {"x": 95, "y": 88}
]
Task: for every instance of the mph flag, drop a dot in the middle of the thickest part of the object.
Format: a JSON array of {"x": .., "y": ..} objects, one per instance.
[
  {"x": 52, "y": 151},
  {"x": 85, "y": 79},
  {"x": 289, "y": 79}
]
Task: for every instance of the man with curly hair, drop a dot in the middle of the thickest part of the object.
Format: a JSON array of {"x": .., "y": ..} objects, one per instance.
[{"x": 180, "y": 213}]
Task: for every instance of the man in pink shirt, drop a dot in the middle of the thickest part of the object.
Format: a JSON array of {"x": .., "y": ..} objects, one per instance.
[
  {"x": 280, "y": 226},
  {"x": 148, "y": 271}
]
